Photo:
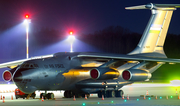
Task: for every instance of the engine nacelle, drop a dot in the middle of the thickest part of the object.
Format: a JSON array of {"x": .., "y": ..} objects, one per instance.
[
  {"x": 135, "y": 75},
  {"x": 103, "y": 73},
  {"x": 8, "y": 74}
]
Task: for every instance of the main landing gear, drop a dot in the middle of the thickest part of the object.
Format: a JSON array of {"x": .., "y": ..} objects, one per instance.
[
  {"x": 70, "y": 94},
  {"x": 110, "y": 93},
  {"x": 105, "y": 93}
]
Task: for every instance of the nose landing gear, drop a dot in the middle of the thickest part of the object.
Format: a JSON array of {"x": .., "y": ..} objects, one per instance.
[{"x": 47, "y": 95}]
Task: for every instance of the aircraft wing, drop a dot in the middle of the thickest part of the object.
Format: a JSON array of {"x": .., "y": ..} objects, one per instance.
[
  {"x": 128, "y": 57},
  {"x": 12, "y": 63},
  {"x": 18, "y": 62}
]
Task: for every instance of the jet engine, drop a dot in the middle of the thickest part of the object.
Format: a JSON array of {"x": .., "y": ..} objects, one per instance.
[
  {"x": 103, "y": 73},
  {"x": 135, "y": 75},
  {"x": 8, "y": 74}
]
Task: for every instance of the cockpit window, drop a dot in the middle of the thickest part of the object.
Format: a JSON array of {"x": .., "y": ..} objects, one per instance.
[
  {"x": 36, "y": 66},
  {"x": 29, "y": 65}
]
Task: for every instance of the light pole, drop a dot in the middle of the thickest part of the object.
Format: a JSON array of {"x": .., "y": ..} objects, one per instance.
[
  {"x": 71, "y": 39},
  {"x": 27, "y": 21}
]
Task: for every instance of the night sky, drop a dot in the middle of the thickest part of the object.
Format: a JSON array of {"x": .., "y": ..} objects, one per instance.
[{"x": 81, "y": 16}]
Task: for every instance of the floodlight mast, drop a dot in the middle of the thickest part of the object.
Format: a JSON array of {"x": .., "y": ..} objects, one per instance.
[
  {"x": 71, "y": 48},
  {"x": 71, "y": 39},
  {"x": 27, "y": 21}
]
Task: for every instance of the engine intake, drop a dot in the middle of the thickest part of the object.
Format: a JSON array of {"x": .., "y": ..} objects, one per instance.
[
  {"x": 7, "y": 76},
  {"x": 135, "y": 75},
  {"x": 103, "y": 73}
]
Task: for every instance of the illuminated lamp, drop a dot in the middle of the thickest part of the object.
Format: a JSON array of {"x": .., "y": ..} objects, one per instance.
[
  {"x": 27, "y": 16},
  {"x": 71, "y": 32}
]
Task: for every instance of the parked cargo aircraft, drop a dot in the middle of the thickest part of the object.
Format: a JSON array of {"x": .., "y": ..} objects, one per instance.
[{"x": 105, "y": 74}]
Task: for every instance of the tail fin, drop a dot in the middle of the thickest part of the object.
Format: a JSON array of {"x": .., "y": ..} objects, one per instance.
[{"x": 153, "y": 38}]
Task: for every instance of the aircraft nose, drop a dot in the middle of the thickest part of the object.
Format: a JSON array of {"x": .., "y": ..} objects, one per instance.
[
  {"x": 18, "y": 76},
  {"x": 22, "y": 80}
]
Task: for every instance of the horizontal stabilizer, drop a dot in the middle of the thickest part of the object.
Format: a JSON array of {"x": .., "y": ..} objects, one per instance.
[
  {"x": 136, "y": 7},
  {"x": 154, "y": 6}
]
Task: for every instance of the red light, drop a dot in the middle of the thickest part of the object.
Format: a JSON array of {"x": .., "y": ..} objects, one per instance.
[
  {"x": 27, "y": 16},
  {"x": 70, "y": 32}
]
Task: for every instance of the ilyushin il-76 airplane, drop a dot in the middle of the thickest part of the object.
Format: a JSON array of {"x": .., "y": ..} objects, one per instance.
[{"x": 80, "y": 73}]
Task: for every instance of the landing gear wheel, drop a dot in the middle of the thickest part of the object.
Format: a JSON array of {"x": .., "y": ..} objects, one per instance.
[
  {"x": 110, "y": 93},
  {"x": 99, "y": 94},
  {"x": 68, "y": 94},
  {"x": 77, "y": 95},
  {"x": 50, "y": 96},
  {"x": 44, "y": 96},
  {"x": 33, "y": 95},
  {"x": 83, "y": 95},
  {"x": 105, "y": 94},
  {"x": 119, "y": 93},
  {"x": 65, "y": 94}
]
